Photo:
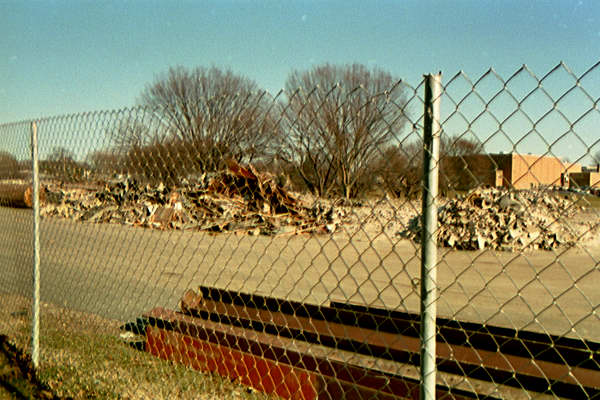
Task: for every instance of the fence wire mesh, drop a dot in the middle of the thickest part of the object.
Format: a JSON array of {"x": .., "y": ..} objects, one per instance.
[{"x": 234, "y": 244}]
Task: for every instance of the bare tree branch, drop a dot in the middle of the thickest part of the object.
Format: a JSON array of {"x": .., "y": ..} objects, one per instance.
[
  {"x": 339, "y": 119},
  {"x": 209, "y": 115}
]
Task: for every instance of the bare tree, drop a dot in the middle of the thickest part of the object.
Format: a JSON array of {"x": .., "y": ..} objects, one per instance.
[
  {"x": 596, "y": 158},
  {"x": 338, "y": 120},
  {"x": 132, "y": 133},
  {"x": 147, "y": 149},
  {"x": 9, "y": 166},
  {"x": 401, "y": 166},
  {"x": 457, "y": 170},
  {"x": 104, "y": 163},
  {"x": 400, "y": 169},
  {"x": 62, "y": 165},
  {"x": 215, "y": 115}
]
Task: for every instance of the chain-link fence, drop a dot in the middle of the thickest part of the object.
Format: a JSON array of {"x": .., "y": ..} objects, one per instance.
[{"x": 347, "y": 241}]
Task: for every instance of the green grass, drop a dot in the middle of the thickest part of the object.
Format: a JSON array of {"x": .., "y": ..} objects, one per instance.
[{"x": 83, "y": 357}]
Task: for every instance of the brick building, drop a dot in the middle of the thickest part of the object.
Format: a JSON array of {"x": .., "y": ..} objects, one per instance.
[
  {"x": 585, "y": 179},
  {"x": 520, "y": 171}
]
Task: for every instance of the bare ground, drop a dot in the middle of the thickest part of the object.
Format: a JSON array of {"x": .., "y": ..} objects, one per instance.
[{"x": 118, "y": 272}]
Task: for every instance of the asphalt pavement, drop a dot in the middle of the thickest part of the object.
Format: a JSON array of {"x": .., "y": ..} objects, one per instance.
[{"x": 119, "y": 272}]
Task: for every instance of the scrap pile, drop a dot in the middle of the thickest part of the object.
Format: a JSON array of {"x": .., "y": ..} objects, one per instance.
[
  {"x": 502, "y": 220},
  {"x": 17, "y": 194},
  {"x": 237, "y": 200}
]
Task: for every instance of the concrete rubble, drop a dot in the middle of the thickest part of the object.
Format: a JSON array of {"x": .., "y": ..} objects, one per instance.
[
  {"x": 242, "y": 200},
  {"x": 500, "y": 219},
  {"x": 237, "y": 200}
]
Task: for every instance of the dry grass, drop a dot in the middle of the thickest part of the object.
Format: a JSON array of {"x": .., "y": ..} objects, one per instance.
[
  {"x": 590, "y": 201},
  {"x": 83, "y": 357}
]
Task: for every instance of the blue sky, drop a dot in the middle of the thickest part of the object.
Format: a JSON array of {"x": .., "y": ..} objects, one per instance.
[{"x": 61, "y": 57}]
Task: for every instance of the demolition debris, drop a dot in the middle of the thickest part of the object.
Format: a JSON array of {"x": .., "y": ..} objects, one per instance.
[
  {"x": 500, "y": 219},
  {"x": 17, "y": 195},
  {"x": 237, "y": 200},
  {"x": 242, "y": 200}
]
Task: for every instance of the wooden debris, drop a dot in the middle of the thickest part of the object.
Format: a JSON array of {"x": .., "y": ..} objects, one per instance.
[
  {"x": 18, "y": 195},
  {"x": 237, "y": 200},
  {"x": 190, "y": 301}
]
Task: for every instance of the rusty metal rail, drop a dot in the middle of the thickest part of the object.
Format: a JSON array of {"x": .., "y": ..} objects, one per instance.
[
  {"x": 273, "y": 364},
  {"x": 536, "y": 362}
]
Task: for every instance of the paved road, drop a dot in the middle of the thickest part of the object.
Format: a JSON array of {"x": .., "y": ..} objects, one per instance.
[{"x": 119, "y": 272}]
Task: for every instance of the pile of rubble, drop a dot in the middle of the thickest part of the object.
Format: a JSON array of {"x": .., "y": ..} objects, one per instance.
[
  {"x": 237, "y": 200},
  {"x": 499, "y": 219}
]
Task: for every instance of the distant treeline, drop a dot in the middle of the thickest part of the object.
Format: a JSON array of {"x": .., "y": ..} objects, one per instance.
[{"x": 336, "y": 131}]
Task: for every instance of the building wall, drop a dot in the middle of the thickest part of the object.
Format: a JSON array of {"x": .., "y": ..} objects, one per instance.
[
  {"x": 591, "y": 168},
  {"x": 504, "y": 163},
  {"x": 524, "y": 171},
  {"x": 482, "y": 171},
  {"x": 498, "y": 178},
  {"x": 520, "y": 171},
  {"x": 585, "y": 179}
]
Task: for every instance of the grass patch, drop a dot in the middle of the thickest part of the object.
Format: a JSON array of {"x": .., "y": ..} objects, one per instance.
[
  {"x": 17, "y": 377},
  {"x": 83, "y": 357}
]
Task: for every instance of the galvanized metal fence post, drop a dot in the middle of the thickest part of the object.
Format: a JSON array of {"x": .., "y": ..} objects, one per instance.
[
  {"x": 35, "y": 323},
  {"x": 431, "y": 146}
]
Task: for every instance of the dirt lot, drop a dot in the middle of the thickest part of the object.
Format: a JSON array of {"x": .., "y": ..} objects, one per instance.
[{"x": 119, "y": 272}]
